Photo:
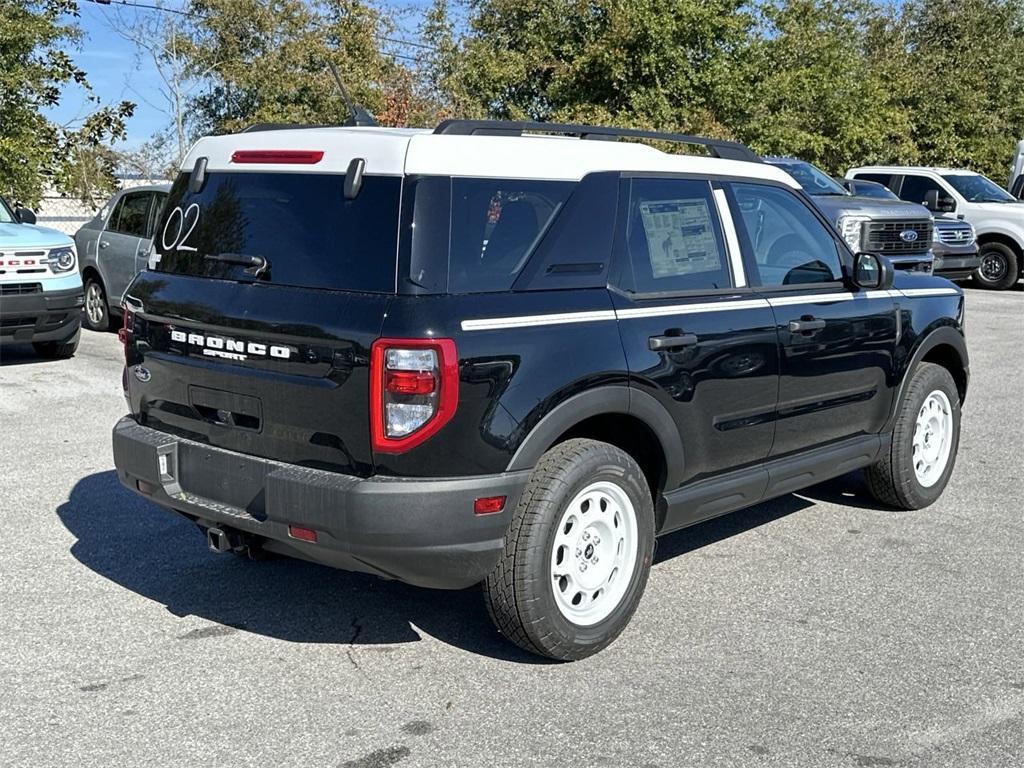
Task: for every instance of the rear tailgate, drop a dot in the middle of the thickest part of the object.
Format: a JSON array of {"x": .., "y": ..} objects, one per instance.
[
  {"x": 251, "y": 329},
  {"x": 272, "y": 371}
]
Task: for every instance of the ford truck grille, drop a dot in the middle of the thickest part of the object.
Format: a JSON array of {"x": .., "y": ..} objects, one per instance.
[{"x": 897, "y": 236}]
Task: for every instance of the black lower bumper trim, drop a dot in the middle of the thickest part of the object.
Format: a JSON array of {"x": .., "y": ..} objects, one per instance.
[
  {"x": 421, "y": 531},
  {"x": 42, "y": 316}
]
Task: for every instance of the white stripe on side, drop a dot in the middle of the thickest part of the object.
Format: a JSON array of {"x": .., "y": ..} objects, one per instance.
[
  {"x": 914, "y": 292},
  {"x": 563, "y": 318},
  {"x": 690, "y": 309},
  {"x": 529, "y": 321},
  {"x": 732, "y": 241}
]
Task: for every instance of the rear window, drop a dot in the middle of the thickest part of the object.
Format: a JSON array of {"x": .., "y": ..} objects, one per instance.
[{"x": 299, "y": 225}]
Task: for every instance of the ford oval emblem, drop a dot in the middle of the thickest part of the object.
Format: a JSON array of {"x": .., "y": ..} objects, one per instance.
[
  {"x": 142, "y": 374},
  {"x": 908, "y": 236}
]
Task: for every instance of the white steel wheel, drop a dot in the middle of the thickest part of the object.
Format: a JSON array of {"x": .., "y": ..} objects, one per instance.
[
  {"x": 594, "y": 553},
  {"x": 933, "y": 438}
]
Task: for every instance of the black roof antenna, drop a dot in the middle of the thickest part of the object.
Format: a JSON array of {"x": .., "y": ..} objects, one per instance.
[{"x": 357, "y": 115}]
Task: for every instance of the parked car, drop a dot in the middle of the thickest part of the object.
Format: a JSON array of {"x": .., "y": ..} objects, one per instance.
[
  {"x": 40, "y": 289},
  {"x": 1016, "y": 183},
  {"x": 953, "y": 242},
  {"x": 325, "y": 362},
  {"x": 997, "y": 216},
  {"x": 114, "y": 245},
  {"x": 892, "y": 228}
]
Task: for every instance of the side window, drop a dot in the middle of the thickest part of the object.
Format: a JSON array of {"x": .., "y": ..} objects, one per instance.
[
  {"x": 159, "y": 198},
  {"x": 674, "y": 238},
  {"x": 885, "y": 179},
  {"x": 915, "y": 188},
  {"x": 791, "y": 246},
  {"x": 131, "y": 217},
  {"x": 495, "y": 225},
  {"x": 1017, "y": 188}
]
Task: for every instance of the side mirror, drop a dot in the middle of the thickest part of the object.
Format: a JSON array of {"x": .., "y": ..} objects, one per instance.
[
  {"x": 872, "y": 272},
  {"x": 935, "y": 201},
  {"x": 24, "y": 215}
]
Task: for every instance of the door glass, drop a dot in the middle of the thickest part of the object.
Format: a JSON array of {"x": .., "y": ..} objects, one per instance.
[
  {"x": 915, "y": 188},
  {"x": 159, "y": 198},
  {"x": 674, "y": 238},
  {"x": 131, "y": 217},
  {"x": 791, "y": 246}
]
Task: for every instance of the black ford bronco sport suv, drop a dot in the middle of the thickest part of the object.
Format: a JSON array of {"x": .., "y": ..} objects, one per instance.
[{"x": 509, "y": 353}]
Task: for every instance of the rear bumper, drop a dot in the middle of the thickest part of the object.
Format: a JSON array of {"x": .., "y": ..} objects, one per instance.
[
  {"x": 42, "y": 316},
  {"x": 419, "y": 531}
]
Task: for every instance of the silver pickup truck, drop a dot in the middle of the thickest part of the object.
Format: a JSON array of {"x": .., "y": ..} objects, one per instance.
[{"x": 896, "y": 229}]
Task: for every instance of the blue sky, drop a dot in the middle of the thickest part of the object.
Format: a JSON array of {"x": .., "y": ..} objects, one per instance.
[{"x": 117, "y": 72}]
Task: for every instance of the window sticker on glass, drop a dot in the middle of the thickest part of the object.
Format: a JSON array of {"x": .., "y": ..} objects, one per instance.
[{"x": 680, "y": 237}]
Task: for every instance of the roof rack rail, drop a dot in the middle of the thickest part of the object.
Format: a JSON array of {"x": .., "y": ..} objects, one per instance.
[{"x": 725, "y": 150}]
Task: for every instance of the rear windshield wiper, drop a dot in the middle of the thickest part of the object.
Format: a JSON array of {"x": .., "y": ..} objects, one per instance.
[{"x": 258, "y": 263}]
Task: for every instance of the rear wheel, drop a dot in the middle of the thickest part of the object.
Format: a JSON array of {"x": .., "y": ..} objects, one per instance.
[
  {"x": 577, "y": 554},
  {"x": 925, "y": 439},
  {"x": 97, "y": 311},
  {"x": 999, "y": 268}
]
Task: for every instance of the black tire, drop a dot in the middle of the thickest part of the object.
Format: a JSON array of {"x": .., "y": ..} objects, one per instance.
[
  {"x": 519, "y": 592},
  {"x": 96, "y": 312},
  {"x": 999, "y": 267},
  {"x": 55, "y": 350},
  {"x": 892, "y": 479}
]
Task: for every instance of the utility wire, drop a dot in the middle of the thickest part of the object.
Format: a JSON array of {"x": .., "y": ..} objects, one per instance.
[{"x": 179, "y": 12}]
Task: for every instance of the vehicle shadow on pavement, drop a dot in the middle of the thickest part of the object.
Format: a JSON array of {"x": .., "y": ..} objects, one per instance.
[
  {"x": 719, "y": 528},
  {"x": 22, "y": 354},
  {"x": 164, "y": 558}
]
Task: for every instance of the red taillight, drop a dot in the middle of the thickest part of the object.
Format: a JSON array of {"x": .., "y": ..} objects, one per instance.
[
  {"x": 414, "y": 390},
  {"x": 302, "y": 534},
  {"x": 409, "y": 382},
  {"x": 286, "y": 156},
  {"x": 488, "y": 505}
]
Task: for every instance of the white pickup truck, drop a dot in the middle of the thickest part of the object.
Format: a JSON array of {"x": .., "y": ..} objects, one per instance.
[{"x": 997, "y": 216}]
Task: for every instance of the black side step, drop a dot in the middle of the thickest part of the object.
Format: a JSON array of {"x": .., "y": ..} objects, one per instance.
[{"x": 726, "y": 493}]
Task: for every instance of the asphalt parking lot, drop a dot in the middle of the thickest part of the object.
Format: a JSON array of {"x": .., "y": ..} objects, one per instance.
[{"x": 813, "y": 630}]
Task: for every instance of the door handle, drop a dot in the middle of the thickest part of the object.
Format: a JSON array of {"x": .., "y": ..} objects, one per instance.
[
  {"x": 806, "y": 324},
  {"x": 671, "y": 341},
  {"x": 104, "y": 243}
]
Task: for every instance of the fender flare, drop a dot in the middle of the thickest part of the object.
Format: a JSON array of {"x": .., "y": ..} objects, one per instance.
[
  {"x": 598, "y": 402},
  {"x": 944, "y": 334}
]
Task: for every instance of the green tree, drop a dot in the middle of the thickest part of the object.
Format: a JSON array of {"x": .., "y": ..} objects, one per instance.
[
  {"x": 967, "y": 92},
  {"x": 664, "y": 65},
  {"x": 269, "y": 62},
  {"x": 820, "y": 84},
  {"x": 35, "y": 65}
]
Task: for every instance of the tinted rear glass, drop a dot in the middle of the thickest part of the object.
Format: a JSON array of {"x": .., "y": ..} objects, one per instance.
[
  {"x": 299, "y": 224},
  {"x": 495, "y": 226}
]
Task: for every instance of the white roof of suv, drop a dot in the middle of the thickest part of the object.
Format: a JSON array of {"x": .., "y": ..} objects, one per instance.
[{"x": 400, "y": 151}]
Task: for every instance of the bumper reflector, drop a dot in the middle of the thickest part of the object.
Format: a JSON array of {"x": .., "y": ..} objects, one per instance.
[
  {"x": 488, "y": 505},
  {"x": 302, "y": 534}
]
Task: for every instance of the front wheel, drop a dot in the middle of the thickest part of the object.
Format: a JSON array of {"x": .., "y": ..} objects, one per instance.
[
  {"x": 53, "y": 350},
  {"x": 577, "y": 553},
  {"x": 920, "y": 460},
  {"x": 999, "y": 268}
]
